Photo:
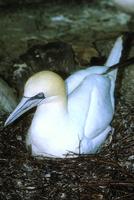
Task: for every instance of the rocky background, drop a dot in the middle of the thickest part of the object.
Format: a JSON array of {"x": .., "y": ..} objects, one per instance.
[{"x": 63, "y": 37}]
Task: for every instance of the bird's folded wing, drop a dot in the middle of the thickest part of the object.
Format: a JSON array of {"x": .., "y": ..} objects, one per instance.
[{"x": 73, "y": 81}]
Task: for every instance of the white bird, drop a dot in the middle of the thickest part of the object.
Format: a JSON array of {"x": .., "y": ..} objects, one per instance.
[
  {"x": 125, "y": 5},
  {"x": 71, "y": 116}
]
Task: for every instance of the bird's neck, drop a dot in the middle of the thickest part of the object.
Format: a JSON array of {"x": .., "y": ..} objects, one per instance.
[
  {"x": 56, "y": 106},
  {"x": 50, "y": 117}
]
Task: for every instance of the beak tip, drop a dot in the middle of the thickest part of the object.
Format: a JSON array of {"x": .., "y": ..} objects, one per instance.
[
  {"x": 6, "y": 123},
  {"x": 23, "y": 106}
]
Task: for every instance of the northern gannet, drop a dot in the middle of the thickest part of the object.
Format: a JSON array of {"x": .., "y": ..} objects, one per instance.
[{"x": 71, "y": 116}]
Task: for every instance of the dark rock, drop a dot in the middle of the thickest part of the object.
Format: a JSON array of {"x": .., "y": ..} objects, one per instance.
[
  {"x": 8, "y": 100},
  {"x": 54, "y": 56}
]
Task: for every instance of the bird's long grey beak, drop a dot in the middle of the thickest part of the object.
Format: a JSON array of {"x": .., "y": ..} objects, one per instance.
[{"x": 25, "y": 105}]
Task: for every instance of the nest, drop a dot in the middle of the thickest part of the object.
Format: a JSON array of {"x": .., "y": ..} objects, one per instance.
[{"x": 106, "y": 175}]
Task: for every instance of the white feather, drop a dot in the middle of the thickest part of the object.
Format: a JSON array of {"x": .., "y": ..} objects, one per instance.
[{"x": 76, "y": 119}]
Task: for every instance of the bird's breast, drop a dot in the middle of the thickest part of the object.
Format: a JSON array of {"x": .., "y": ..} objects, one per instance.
[{"x": 51, "y": 134}]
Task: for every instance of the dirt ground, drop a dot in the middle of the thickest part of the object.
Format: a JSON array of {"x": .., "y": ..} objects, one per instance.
[{"x": 90, "y": 28}]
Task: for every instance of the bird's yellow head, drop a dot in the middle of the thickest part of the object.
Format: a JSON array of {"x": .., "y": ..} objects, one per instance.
[
  {"x": 40, "y": 88},
  {"x": 46, "y": 82}
]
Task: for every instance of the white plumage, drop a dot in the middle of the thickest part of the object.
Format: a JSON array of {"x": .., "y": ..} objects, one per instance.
[{"x": 71, "y": 116}]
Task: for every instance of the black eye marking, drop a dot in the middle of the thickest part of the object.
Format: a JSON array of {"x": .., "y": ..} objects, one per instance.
[{"x": 37, "y": 96}]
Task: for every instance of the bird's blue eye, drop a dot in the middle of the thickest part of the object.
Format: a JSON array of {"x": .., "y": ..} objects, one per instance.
[{"x": 40, "y": 95}]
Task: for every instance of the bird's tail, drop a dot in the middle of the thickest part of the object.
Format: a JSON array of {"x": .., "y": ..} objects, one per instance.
[{"x": 115, "y": 56}]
